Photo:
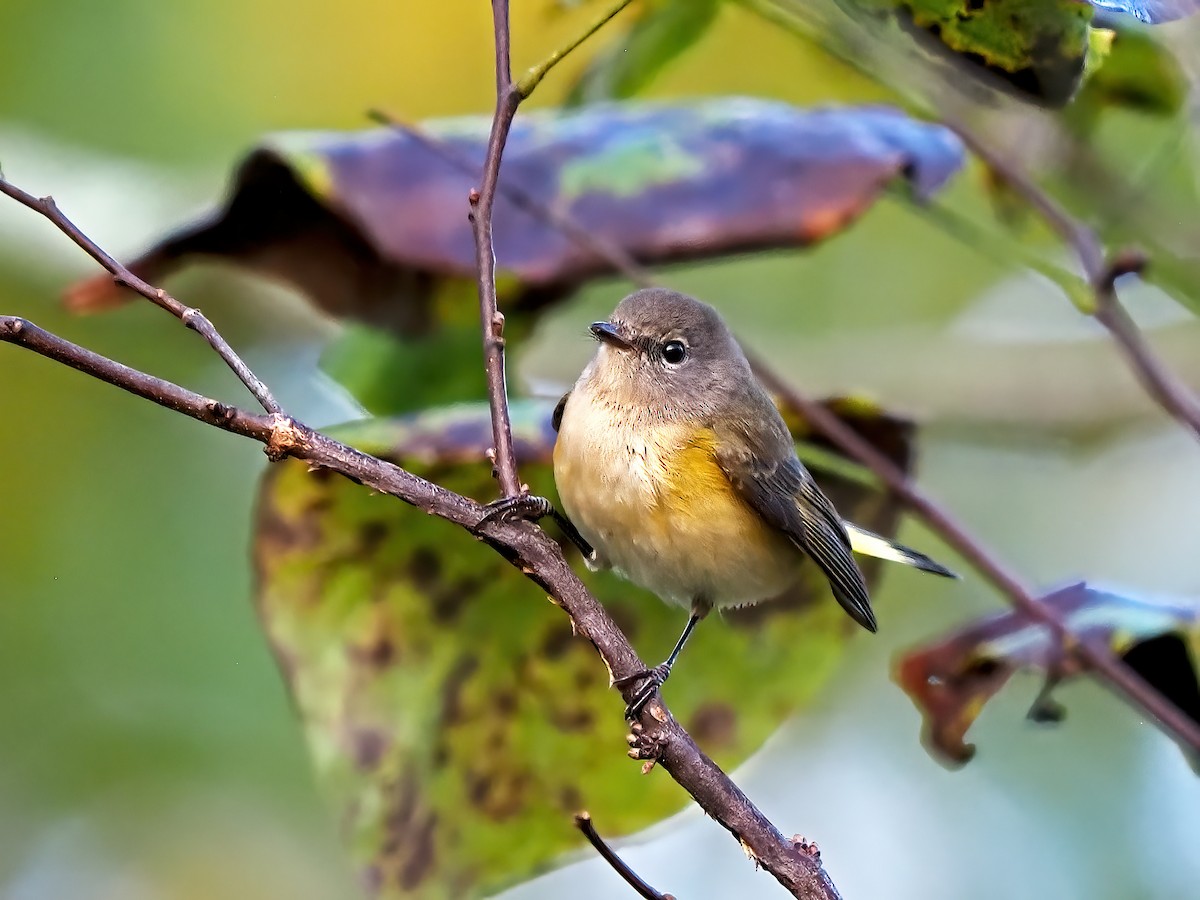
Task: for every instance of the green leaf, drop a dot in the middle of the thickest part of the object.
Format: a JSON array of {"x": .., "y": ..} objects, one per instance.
[
  {"x": 951, "y": 680},
  {"x": 662, "y": 31},
  {"x": 453, "y": 718},
  {"x": 389, "y": 375}
]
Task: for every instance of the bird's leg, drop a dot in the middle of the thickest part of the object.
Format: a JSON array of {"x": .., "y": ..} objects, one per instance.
[
  {"x": 532, "y": 508},
  {"x": 654, "y": 678}
]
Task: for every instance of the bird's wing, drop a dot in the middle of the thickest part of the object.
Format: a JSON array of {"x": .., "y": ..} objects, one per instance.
[
  {"x": 556, "y": 416},
  {"x": 773, "y": 481}
]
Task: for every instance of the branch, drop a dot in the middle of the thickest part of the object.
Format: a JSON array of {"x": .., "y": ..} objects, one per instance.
[
  {"x": 509, "y": 95},
  {"x": 1102, "y": 271},
  {"x": 525, "y": 546},
  {"x": 1121, "y": 677},
  {"x": 659, "y": 738},
  {"x": 583, "y": 821},
  {"x": 534, "y": 76},
  {"x": 190, "y": 317},
  {"x": 482, "y": 199},
  {"x": 1127, "y": 682}
]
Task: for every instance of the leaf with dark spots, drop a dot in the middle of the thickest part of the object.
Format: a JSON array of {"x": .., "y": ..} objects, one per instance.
[
  {"x": 372, "y": 226},
  {"x": 449, "y": 708},
  {"x": 950, "y": 681}
]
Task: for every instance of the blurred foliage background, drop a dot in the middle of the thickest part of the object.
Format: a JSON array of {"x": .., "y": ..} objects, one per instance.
[{"x": 147, "y": 748}]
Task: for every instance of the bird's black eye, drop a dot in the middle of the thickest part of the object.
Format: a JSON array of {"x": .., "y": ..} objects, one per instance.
[{"x": 674, "y": 352}]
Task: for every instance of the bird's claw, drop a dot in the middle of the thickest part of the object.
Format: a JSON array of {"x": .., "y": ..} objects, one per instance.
[
  {"x": 654, "y": 679},
  {"x": 528, "y": 507},
  {"x": 532, "y": 508}
]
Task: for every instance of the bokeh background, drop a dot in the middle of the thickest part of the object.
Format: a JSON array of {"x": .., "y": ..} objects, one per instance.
[{"x": 147, "y": 748}]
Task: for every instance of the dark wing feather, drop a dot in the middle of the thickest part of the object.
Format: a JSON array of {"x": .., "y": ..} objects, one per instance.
[
  {"x": 785, "y": 495},
  {"x": 556, "y": 416}
]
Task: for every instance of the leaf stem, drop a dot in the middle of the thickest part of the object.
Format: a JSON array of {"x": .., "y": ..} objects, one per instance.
[
  {"x": 532, "y": 78},
  {"x": 192, "y": 318}
]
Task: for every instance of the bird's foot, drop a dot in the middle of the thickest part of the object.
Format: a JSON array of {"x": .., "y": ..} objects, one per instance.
[
  {"x": 532, "y": 508},
  {"x": 653, "y": 678},
  {"x": 528, "y": 507}
]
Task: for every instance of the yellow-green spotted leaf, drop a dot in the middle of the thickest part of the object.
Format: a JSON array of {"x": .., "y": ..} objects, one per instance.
[{"x": 454, "y": 720}]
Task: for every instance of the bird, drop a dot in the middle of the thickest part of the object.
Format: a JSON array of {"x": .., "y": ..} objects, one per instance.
[{"x": 675, "y": 469}]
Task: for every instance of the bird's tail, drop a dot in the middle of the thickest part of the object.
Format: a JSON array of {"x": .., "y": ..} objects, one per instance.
[{"x": 870, "y": 544}]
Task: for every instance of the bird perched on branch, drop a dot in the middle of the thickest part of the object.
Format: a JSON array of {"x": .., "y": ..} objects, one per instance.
[{"x": 676, "y": 469}]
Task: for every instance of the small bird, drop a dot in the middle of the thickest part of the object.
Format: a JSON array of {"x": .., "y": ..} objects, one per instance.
[{"x": 676, "y": 469}]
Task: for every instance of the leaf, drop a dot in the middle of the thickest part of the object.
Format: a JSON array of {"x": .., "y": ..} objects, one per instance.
[
  {"x": 373, "y": 226},
  {"x": 662, "y": 31},
  {"x": 454, "y": 721},
  {"x": 390, "y": 375},
  {"x": 1037, "y": 46},
  {"x": 1152, "y": 12},
  {"x": 951, "y": 681}
]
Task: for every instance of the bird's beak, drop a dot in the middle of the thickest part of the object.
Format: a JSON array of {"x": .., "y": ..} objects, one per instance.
[{"x": 610, "y": 334}]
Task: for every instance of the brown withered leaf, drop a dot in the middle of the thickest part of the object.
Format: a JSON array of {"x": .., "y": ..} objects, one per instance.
[
  {"x": 950, "y": 681},
  {"x": 373, "y": 225}
]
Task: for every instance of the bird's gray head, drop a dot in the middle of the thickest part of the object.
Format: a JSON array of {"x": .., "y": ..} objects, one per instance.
[{"x": 662, "y": 348}]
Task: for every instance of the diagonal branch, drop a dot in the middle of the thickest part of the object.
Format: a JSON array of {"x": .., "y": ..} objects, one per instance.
[
  {"x": 659, "y": 738},
  {"x": 190, "y": 317},
  {"x": 1102, "y": 271},
  {"x": 525, "y": 546},
  {"x": 1119, "y": 676}
]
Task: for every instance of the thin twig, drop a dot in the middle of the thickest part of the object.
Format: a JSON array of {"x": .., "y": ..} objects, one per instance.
[
  {"x": 525, "y": 546},
  {"x": 583, "y": 821},
  {"x": 1120, "y": 676},
  {"x": 482, "y": 200},
  {"x": 617, "y": 257},
  {"x": 190, "y": 317},
  {"x": 509, "y": 95},
  {"x": 1102, "y": 271},
  {"x": 531, "y": 79}
]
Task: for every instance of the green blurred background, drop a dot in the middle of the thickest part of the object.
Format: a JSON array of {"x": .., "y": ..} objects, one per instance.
[{"x": 147, "y": 748}]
